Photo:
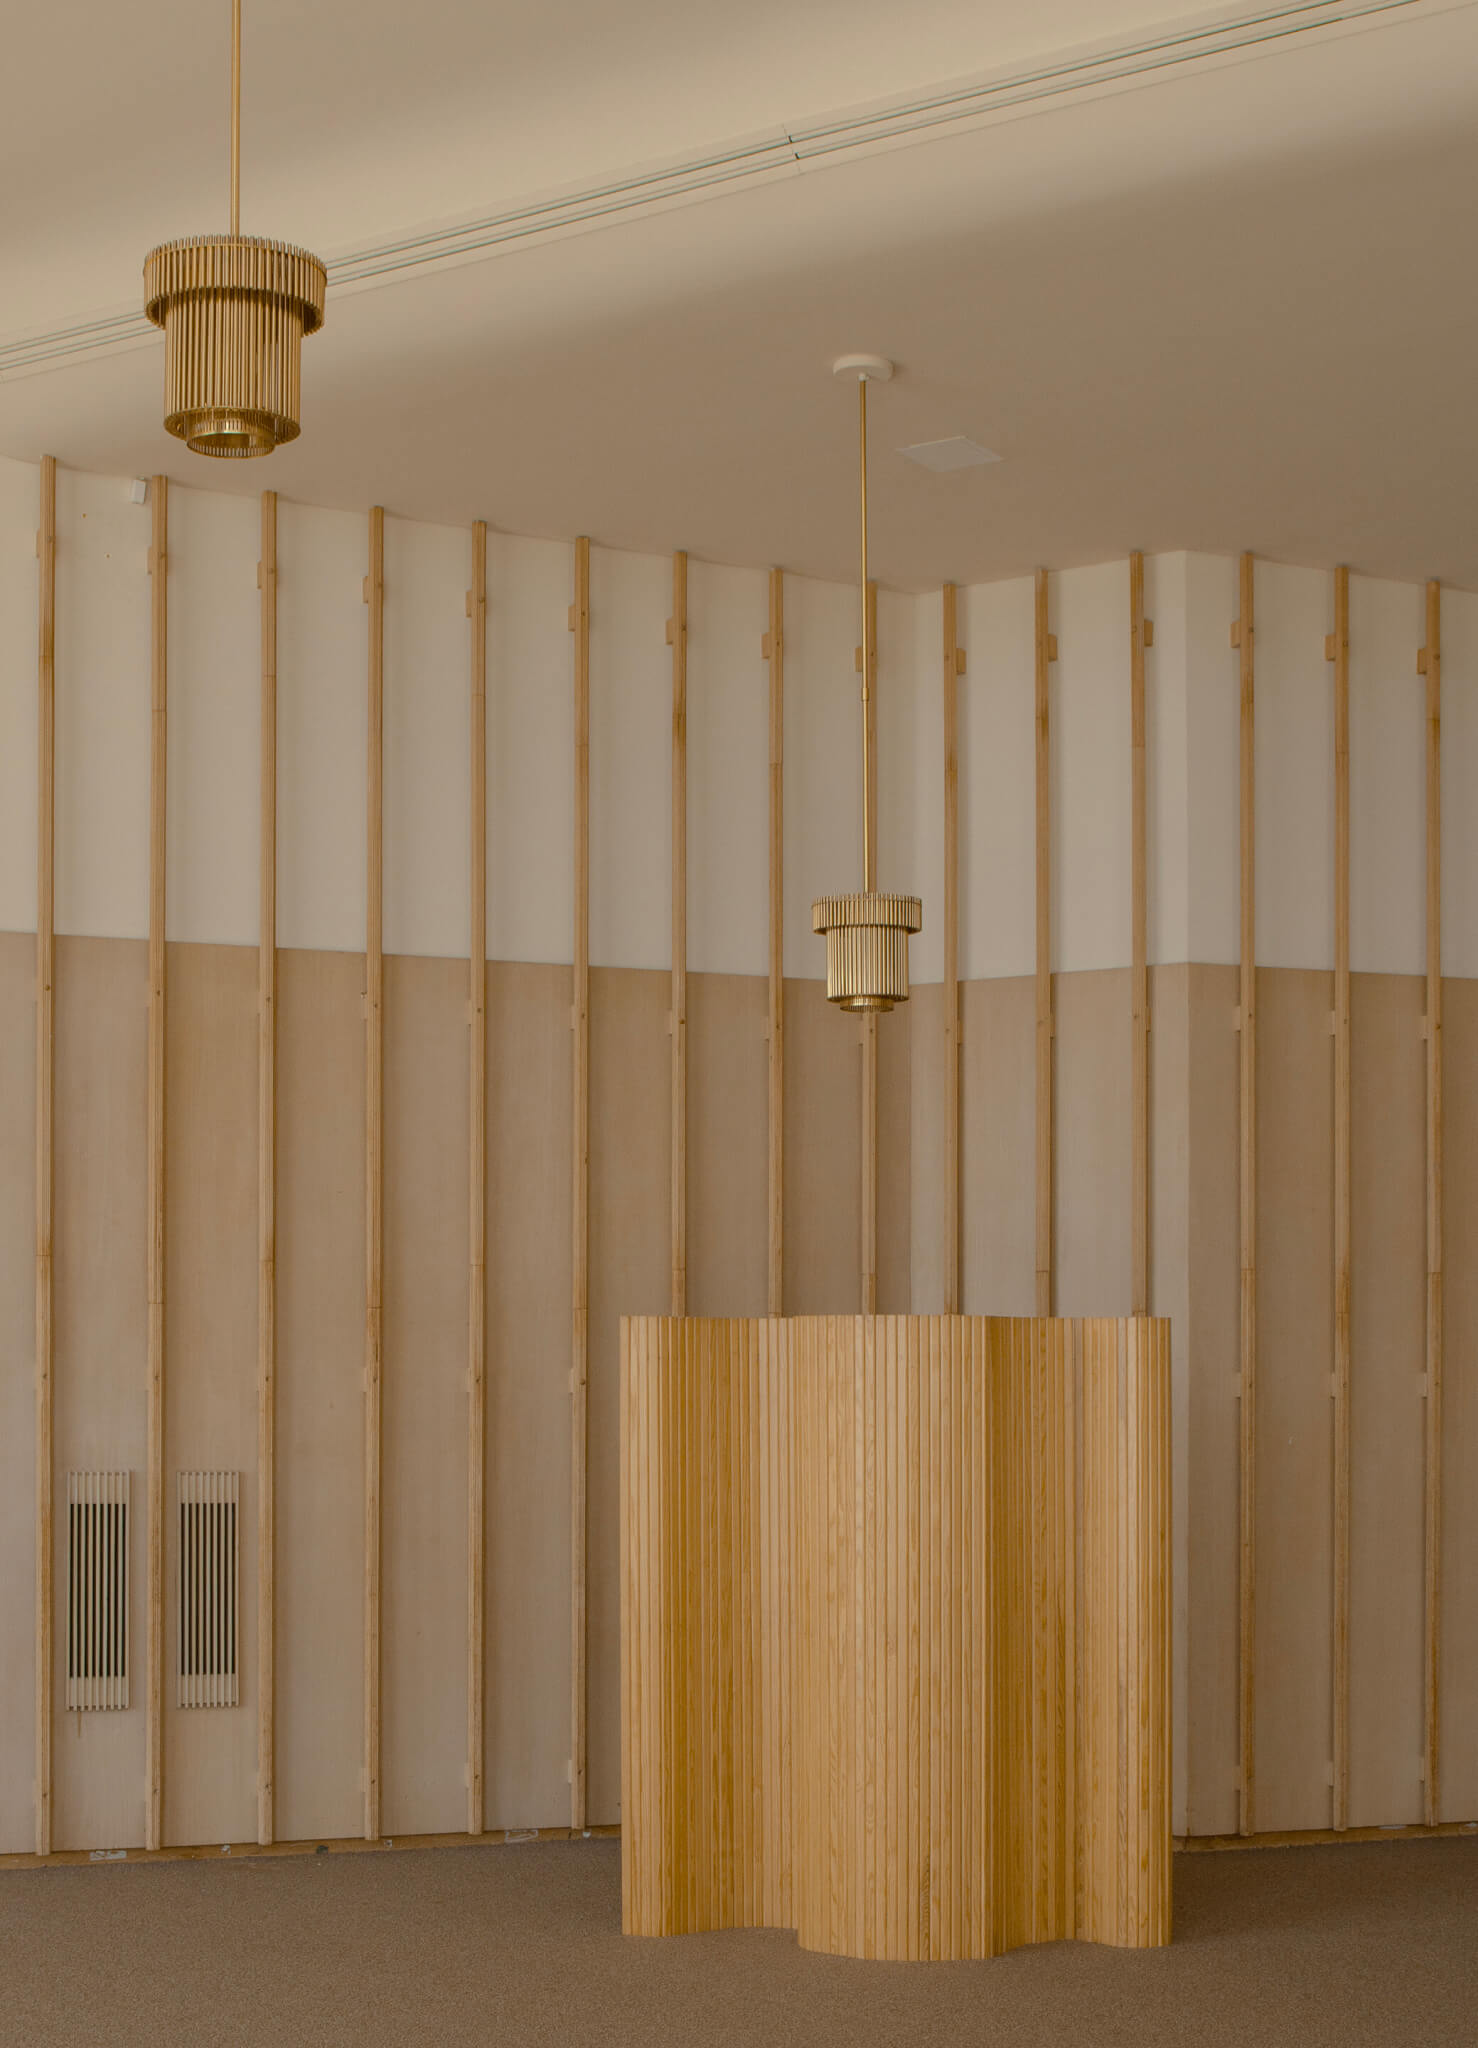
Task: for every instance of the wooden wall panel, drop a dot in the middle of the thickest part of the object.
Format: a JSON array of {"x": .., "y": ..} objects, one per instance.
[
  {"x": 423, "y": 1644},
  {"x": 102, "y": 1321},
  {"x": 1168, "y": 1173},
  {"x": 1388, "y": 1300},
  {"x": 1459, "y": 1673},
  {"x": 1093, "y": 1224},
  {"x": 823, "y": 1154},
  {"x": 727, "y": 1149},
  {"x": 320, "y": 1393},
  {"x": 930, "y": 1205},
  {"x": 1295, "y": 1339},
  {"x": 630, "y": 1274},
  {"x": 17, "y": 1394},
  {"x": 528, "y": 1344},
  {"x": 210, "y": 1757},
  {"x": 998, "y": 1146},
  {"x": 1213, "y": 1421}
]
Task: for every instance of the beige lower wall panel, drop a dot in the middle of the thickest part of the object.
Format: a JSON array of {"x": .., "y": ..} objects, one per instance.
[
  {"x": 1387, "y": 1420},
  {"x": 210, "y": 1360},
  {"x": 101, "y": 1339},
  {"x": 424, "y": 1450},
  {"x": 1213, "y": 1419},
  {"x": 630, "y": 1246},
  {"x": 17, "y": 1390},
  {"x": 320, "y": 1393},
  {"x": 1295, "y": 1357},
  {"x": 895, "y": 1147},
  {"x": 1169, "y": 1240},
  {"x": 998, "y": 1253},
  {"x": 1458, "y": 1779},
  {"x": 823, "y": 1152},
  {"x": 527, "y": 1640},
  {"x": 1092, "y": 1235},
  {"x": 728, "y": 1144},
  {"x": 926, "y": 1208}
]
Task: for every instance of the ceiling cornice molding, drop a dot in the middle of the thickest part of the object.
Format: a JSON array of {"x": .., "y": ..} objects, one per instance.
[{"x": 1085, "y": 72}]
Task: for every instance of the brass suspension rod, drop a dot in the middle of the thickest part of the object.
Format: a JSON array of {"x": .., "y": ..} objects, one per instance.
[
  {"x": 869, "y": 852},
  {"x": 235, "y": 117}
]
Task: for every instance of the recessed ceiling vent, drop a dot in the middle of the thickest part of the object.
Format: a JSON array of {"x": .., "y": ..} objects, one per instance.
[
  {"x": 97, "y": 1590},
  {"x": 955, "y": 453},
  {"x": 209, "y": 1586}
]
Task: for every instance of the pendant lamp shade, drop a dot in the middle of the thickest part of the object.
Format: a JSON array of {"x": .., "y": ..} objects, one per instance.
[{"x": 234, "y": 311}]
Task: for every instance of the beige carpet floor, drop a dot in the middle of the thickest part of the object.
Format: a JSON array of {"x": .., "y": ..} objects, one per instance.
[{"x": 1317, "y": 1948}]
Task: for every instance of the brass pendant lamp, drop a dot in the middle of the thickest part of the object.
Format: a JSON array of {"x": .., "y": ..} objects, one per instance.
[
  {"x": 866, "y": 933},
  {"x": 234, "y": 310}
]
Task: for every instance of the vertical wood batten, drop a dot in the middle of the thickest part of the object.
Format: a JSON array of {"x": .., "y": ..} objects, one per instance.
[
  {"x": 1338, "y": 650},
  {"x": 374, "y": 1162},
  {"x": 1045, "y": 653},
  {"x": 677, "y": 639},
  {"x": 154, "y": 1515},
  {"x": 267, "y": 1195},
  {"x": 477, "y": 1092},
  {"x": 1139, "y": 636},
  {"x": 1243, "y": 638},
  {"x": 45, "y": 1131},
  {"x": 869, "y": 1249},
  {"x": 953, "y": 669},
  {"x": 1431, "y": 665},
  {"x": 580, "y": 1219},
  {"x": 773, "y": 648}
]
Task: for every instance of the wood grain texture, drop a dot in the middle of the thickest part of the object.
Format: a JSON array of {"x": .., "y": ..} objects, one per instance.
[
  {"x": 896, "y": 1631},
  {"x": 1432, "y": 667},
  {"x": 267, "y": 1194},
  {"x": 1339, "y": 651},
  {"x": 1139, "y": 1188},
  {"x": 774, "y": 651},
  {"x": 1044, "y": 649},
  {"x": 477, "y": 1181},
  {"x": 952, "y": 666},
  {"x": 374, "y": 1160},
  {"x": 1244, "y": 631},
  {"x": 45, "y": 1132},
  {"x": 677, "y": 1023},
  {"x": 580, "y": 1193},
  {"x": 154, "y": 1454}
]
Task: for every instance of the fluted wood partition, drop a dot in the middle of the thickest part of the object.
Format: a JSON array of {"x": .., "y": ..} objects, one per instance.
[{"x": 895, "y": 1627}]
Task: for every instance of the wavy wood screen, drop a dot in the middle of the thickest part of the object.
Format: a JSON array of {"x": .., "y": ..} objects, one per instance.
[{"x": 895, "y": 1627}]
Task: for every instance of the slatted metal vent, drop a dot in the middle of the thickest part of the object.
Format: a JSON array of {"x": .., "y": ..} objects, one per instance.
[
  {"x": 209, "y": 1589},
  {"x": 97, "y": 1590}
]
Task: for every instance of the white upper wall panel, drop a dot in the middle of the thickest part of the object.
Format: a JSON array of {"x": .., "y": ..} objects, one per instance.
[
  {"x": 213, "y": 828},
  {"x": 728, "y": 771},
  {"x": 1092, "y": 910},
  {"x": 823, "y": 761},
  {"x": 102, "y": 708},
  {"x": 427, "y": 708},
  {"x": 1295, "y": 767},
  {"x": 322, "y": 727},
  {"x": 1167, "y": 815},
  {"x": 1388, "y": 757},
  {"x": 1213, "y": 729},
  {"x": 630, "y": 760},
  {"x": 531, "y": 749},
  {"x": 1459, "y": 781},
  {"x": 997, "y": 781},
  {"x": 904, "y": 730},
  {"x": 20, "y": 507}
]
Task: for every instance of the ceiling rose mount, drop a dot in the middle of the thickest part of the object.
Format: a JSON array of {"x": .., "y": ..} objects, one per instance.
[
  {"x": 234, "y": 309},
  {"x": 866, "y": 933}
]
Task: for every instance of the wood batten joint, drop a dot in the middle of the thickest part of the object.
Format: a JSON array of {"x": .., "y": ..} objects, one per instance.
[
  {"x": 579, "y": 616},
  {"x": 477, "y": 1087}
]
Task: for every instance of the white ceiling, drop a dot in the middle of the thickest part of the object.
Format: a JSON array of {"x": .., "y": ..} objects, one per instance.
[{"x": 1233, "y": 306}]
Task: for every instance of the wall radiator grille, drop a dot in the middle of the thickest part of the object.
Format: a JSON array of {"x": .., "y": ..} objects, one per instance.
[
  {"x": 97, "y": 1590},
  {"x": 209, "y": 1589}
]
